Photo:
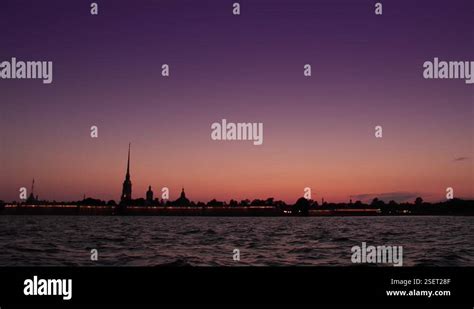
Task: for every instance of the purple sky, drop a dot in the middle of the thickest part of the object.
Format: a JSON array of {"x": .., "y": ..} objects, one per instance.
[{"x": 318, "y": 131}]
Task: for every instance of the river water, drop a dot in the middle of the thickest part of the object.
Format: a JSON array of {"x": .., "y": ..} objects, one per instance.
[{"x": 211, "y": 241}]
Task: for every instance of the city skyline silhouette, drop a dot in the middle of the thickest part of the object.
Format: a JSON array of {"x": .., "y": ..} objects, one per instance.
[
  {"x": 301, "y": 206},
  {"x": 126, "y": 197}
]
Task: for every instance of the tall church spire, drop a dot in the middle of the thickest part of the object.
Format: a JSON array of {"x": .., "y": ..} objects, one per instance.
[
  {"x": 128, "y": 163},
  {"x": 127, "y": 184},
  {"x": 32, "y": 199}
]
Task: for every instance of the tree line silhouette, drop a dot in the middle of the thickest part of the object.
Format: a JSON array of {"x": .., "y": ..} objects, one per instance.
[{"x": 301, "y": 207}]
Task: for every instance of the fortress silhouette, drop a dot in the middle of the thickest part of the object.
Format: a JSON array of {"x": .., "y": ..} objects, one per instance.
[{"x": 257, "y": 207}]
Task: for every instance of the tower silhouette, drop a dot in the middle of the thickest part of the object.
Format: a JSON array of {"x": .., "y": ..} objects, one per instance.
[
  {"x": 127, "y": 184},
  {"x": 32, "y": 199},
  {"x": 182, "y": 200},
  {"x": 149, "y": 196}
]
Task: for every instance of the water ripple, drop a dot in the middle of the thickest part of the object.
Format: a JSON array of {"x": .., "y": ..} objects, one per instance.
[{"x": 210, "y": 241}]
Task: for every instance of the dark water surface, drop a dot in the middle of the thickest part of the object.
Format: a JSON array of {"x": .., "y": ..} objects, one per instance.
[{"x": 210, "y": 241}]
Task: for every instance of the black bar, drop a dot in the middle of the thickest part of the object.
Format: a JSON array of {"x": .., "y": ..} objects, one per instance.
[{"x": 237, "y": 285}]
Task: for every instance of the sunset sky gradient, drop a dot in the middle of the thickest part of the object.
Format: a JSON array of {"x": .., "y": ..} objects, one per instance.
[{"x": 318, "y": 131}]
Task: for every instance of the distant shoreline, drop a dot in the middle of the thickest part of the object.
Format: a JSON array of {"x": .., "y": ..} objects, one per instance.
[{"x": 213, "y": 211}]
